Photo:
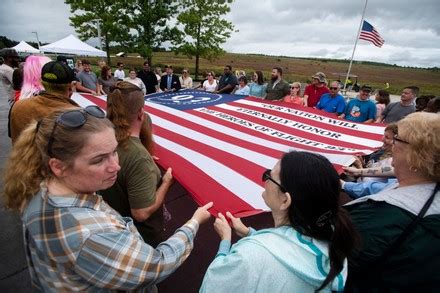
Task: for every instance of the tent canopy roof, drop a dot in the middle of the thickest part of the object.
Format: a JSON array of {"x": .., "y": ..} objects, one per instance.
[
  {"x": 24, "y": 47},
  {"x": 72, "y": 45}
]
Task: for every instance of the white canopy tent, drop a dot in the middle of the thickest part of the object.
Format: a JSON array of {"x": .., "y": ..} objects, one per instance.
[
  {"x": 24, "y": 47},
  {"x": 72, "y": 45}
]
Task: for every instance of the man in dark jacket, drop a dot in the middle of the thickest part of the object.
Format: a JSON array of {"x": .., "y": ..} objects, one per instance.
[
  {"x": 148, "y": 78},
  {"x": 170, "y": 82}
]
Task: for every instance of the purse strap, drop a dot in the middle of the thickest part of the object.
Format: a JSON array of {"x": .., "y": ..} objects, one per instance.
[{"x": 408, "y": 229}]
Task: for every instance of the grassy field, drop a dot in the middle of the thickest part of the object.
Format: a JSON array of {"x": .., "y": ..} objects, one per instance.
[{"x": 301, "y": 69}]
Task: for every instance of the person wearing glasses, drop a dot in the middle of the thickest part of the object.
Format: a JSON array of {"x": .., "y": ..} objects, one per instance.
[
  {"x": 210, "y": 84},
  {"x": 332, "y": 102},
  {"x": 185, "y": 80},
  {"x": 400, "y": 227},
  {"x": 306, "y": 250},
  {"x": 139, "y": 192},
  {"x": 74, "y": 241},
  {"x": 295, "y": 95},
  {"x": 56, "y": 79}
]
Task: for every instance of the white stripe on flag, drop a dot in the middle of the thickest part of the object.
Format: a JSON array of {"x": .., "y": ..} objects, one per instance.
[
  {"x": 334, "y": 158},
  {"x": 239, "y": 185},
  {"x": 343, "y": 137},
  {"x": 316, "y": 117},
  {"x": 257, "y": 158}
]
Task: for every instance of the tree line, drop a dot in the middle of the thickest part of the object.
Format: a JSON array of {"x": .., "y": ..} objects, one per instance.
[{"x": 195, "y": 28}]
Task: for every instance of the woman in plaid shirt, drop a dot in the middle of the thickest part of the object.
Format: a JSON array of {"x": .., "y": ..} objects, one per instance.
[{"x": 74, "y": 240}]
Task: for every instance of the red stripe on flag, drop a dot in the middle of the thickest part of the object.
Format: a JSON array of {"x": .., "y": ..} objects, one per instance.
[
  {"x": 327, "y": 126},
  {"x": 204, "y": 188},
  {"x": 293, "y": 131}
]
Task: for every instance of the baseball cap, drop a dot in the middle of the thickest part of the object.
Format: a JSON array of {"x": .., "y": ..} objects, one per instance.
[
  {"x": 57, "y": 72},
  {"x": 320, "y": 76},
  {"x": 366, "y": 88}
]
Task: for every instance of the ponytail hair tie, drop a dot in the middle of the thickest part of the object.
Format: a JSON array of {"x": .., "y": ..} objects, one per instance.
[{"x": 324, "y": 219}]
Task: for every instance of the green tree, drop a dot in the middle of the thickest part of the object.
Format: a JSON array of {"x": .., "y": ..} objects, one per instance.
[
  {"x": 204, "y": 30},
  {"x": 148, "y": 21},
  {"x": 107, "y": 13}
]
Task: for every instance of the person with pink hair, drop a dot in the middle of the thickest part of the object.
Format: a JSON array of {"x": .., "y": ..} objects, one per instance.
[{"x": 32, "y": 76}]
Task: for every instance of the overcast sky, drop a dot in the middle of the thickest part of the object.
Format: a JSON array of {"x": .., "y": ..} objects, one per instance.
[{"x": 301, "y": 28}]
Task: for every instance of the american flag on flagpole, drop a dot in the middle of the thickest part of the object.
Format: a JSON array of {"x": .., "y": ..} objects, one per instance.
[
  {"x": 219, "y": 145},
  {"x": 369, "y": 33}
]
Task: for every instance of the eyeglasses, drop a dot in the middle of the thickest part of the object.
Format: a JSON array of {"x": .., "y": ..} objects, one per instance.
[
  {"x": 74, "y": 119},
  {"x": 333, "y": 88},
  {"x": 266, "y": 176},
  {"x": 396, "y": 138},
  {"x": 294, "y": 87}
]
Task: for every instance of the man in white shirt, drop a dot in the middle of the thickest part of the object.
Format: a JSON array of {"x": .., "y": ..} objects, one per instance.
[
  {"x": 10, "y": 58},
  {"x": 119, "y": 73}
]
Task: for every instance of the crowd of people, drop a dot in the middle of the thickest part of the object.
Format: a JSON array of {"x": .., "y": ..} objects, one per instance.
[{"x": 90, "y": 194}]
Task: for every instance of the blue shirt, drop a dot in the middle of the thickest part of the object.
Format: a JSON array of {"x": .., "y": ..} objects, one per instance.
[
  {"x": 331, "y": 104},
  {"x": 257, "y": 90},
  {"x": 360, "y": 111}
]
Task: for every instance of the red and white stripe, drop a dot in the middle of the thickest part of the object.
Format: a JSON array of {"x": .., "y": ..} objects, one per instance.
[
  {"x": 218, "y": 153},
  {"x": 373, "y": 37}
]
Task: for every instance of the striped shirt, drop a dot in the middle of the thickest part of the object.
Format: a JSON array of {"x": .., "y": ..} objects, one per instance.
[{"x": 79, "y": 243}]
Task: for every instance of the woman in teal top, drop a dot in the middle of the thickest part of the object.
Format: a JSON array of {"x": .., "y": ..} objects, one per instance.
[
  {"x": 306, "y": 250},
  {"x": 257, "y": 87}
]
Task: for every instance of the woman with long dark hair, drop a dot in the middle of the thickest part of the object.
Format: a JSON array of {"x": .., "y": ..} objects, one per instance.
[{"x": 306, "y": 250}]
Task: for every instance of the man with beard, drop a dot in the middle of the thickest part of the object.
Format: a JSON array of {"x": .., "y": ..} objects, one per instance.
[
  {"x": 10, "y": 58},
  {"x": 227, "y": 82},
  {"x": 149, "y": 78},
  {"x": 277, "y": 88}
]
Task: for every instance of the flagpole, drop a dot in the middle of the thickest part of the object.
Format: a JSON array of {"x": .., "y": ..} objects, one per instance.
[{"x": 355, "y": 44}]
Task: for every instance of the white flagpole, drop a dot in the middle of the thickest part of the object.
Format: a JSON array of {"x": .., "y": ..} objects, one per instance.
[{"x": 354, "y": 48}]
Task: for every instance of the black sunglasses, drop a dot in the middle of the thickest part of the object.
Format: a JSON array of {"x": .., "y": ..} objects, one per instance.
[
  {"x": 396, "y": 138},
  {"x": 266, "y": 176},
  {"x": 74, "y": 119},
  {"x": 333, "y": 88}
]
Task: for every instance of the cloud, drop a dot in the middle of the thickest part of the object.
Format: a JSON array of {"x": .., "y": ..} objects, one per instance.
[{"x": 281, "y": 27}]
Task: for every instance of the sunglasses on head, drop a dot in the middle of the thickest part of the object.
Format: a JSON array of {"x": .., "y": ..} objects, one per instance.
[
  {"x": 266, "y": 176},
  {"x": 74, "y": 119},
  {"x": 396, "y": 138}
]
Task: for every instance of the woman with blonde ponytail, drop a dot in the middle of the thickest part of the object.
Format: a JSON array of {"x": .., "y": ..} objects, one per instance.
[
  {"x": 139, "y": 191},
  {"x": 306, "y": 251},
  {"x": 74, "y": 241}
]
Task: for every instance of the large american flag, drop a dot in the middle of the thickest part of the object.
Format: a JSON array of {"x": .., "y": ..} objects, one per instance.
[
  {"x": 369, "y": 33},
  {"x": 219, "y": 145}
]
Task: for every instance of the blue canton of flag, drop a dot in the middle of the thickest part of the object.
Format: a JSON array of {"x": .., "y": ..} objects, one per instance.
[{"x": 369, "y": 33}]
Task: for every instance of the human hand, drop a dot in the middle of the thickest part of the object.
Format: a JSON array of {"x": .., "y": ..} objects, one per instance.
[
  {"x": 167, "y": 178},
  {"x": 222, "y": 227},
  {"x": 358, "y": 162},
  {"x": 201, "y": 215},
  {"x": 351, "y": 171},
  {"x": 240, "y": 229}
]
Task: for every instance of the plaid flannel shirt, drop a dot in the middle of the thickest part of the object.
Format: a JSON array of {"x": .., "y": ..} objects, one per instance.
[{"x": 79, "y": 243}]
